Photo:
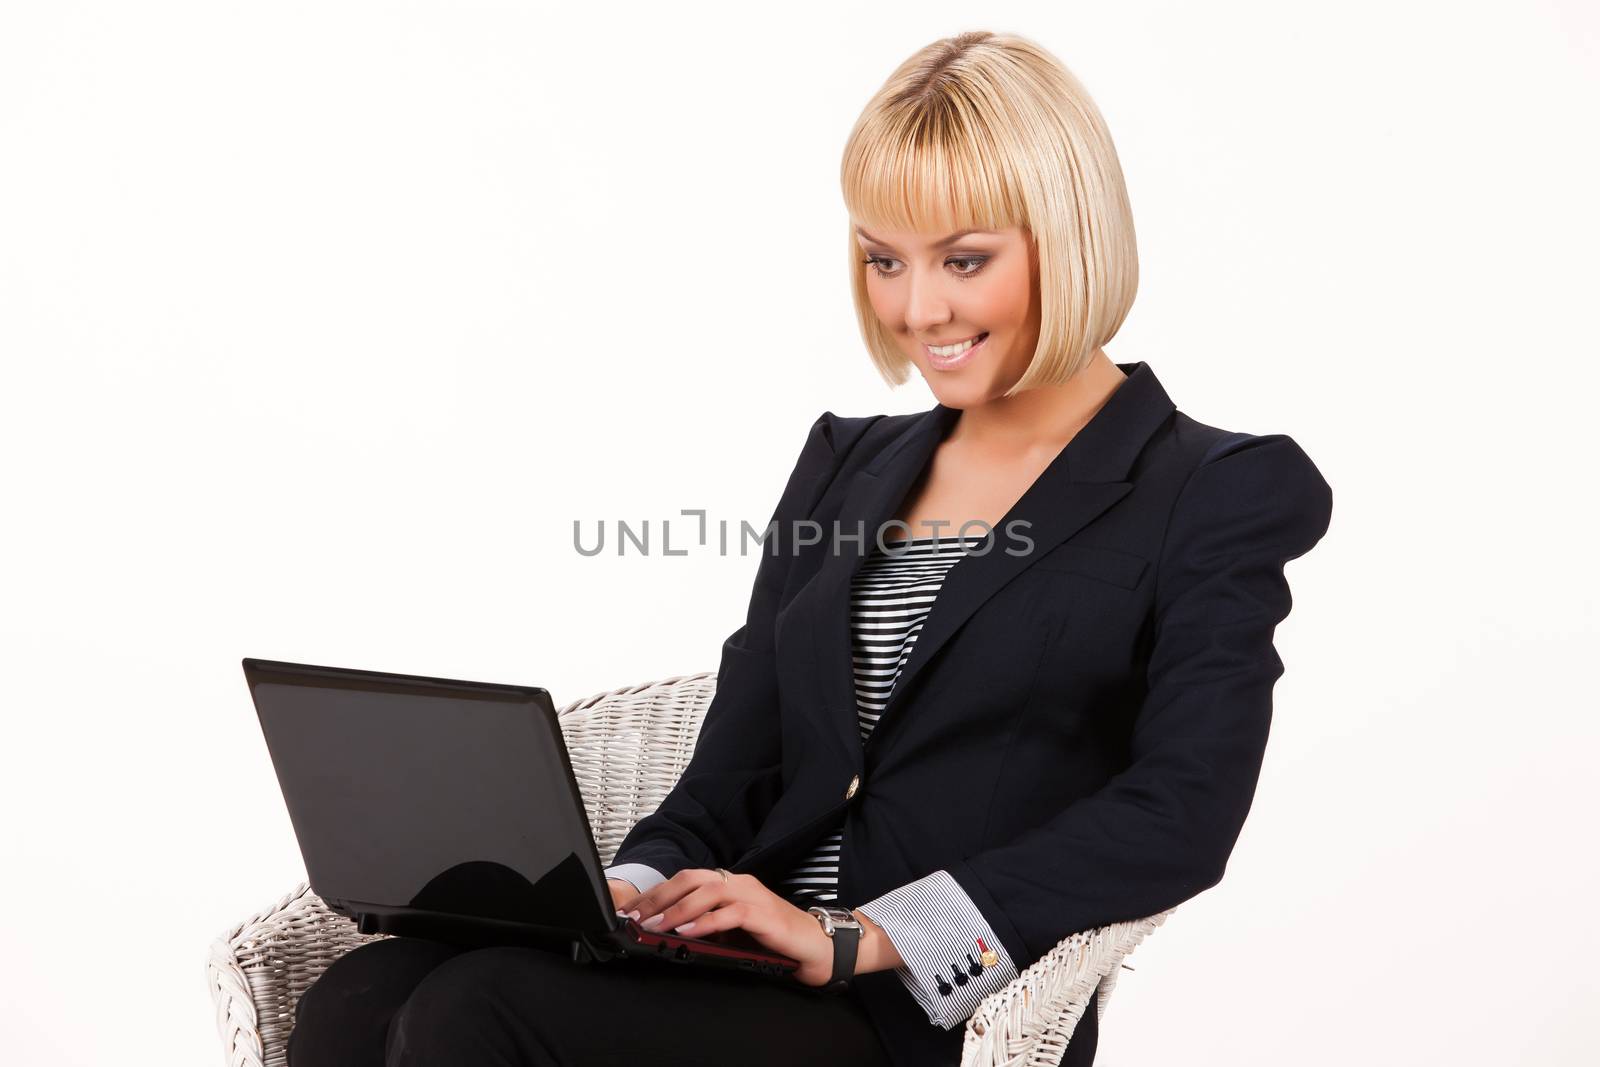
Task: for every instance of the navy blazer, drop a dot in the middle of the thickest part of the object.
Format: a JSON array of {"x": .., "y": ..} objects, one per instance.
[{"x": 1077, "y": 734}]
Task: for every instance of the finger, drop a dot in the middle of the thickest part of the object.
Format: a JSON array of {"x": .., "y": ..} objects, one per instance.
[
  {"x": 671, "y": 891},
  {"x": 715, "y": 892},
  {"x": 728, "y": 917},
  {"x": 701, "y": 899},
  {"x": 664, "y": 894},
  {"x": 690, "y": 907}
]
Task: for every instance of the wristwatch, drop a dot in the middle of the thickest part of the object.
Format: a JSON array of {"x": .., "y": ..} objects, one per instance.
[{"x": 844, "y": 947}]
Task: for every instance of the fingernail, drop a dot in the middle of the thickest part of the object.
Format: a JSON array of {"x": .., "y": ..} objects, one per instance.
[
  {"x": 685, "y": 928},
  {"x": 654, "y": 920},
  {"x": 634, "y": 914}
]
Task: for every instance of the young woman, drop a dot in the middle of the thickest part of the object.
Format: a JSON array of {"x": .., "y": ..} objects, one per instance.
[{"x": 1007, "y": 669}]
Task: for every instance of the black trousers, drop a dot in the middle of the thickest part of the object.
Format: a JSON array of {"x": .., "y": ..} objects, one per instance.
[{"x": 405, "y": 1001}]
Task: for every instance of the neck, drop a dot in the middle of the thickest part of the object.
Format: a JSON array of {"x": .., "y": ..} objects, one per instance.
[{"x": 1043, "y": 418}]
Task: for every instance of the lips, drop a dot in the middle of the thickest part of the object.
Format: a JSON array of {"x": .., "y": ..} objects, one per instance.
[{"x": 946, "y": 363}]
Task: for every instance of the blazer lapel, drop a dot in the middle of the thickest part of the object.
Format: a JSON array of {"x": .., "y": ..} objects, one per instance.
[{"x": 1082, "y": 481}]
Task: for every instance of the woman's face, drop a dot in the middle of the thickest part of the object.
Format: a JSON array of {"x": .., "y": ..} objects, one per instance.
[{"x": 931, "y": 291}]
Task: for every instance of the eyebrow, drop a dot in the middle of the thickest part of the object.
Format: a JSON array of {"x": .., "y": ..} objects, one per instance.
[{"x": 952, "y": 239}]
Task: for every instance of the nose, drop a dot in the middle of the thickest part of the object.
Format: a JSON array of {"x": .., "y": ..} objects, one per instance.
[{"x": 926, "y": 306}]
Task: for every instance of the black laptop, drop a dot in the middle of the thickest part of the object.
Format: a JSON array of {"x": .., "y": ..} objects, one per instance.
[{"x": 448, "y": 810}]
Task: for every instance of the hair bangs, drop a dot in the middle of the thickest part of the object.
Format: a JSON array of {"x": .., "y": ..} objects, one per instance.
[{"x": 923, "y": 170}]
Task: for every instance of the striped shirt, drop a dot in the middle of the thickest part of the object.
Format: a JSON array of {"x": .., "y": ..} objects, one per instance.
[{"x": 890, "y": 597}]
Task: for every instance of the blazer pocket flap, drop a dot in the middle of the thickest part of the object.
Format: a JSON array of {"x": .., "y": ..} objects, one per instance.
[{"x": 1107, "y": 564}]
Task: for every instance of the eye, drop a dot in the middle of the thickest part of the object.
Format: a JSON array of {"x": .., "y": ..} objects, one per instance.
[
  {"x": 981, "y": 262},
  {"x": 876, "y": 263}
]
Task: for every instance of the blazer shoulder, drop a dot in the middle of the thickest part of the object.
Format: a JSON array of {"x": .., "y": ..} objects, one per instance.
[
  {"x": 1230, "y": 471},
  {"x": 830, "y": 443},
  {"x": 1200, "y": 445},
  {"x": 864, "y": 435}
]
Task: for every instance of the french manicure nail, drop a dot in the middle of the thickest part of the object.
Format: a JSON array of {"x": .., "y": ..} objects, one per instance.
[
  {"x": 654, "y": 920},
  {"x": 634, "y": 914},
  {"x": 685, "y": 928}
]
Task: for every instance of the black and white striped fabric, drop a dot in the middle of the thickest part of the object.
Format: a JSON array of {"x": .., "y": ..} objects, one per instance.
[{"x": 890, "y": 597}]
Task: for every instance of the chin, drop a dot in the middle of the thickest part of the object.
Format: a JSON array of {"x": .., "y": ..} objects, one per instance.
[{"x": 957, "y": 390}]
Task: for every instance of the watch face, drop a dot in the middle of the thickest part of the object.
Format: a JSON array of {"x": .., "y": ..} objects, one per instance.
[{"x": 832, "y": 918}]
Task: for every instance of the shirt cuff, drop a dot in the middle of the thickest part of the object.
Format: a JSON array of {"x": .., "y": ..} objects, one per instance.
[
  {"x": 943, "y": 939},
  {"x": 641, "y": 876}
]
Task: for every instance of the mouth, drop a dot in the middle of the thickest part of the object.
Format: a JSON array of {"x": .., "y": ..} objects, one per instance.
[{"x": 954, "y": 356}]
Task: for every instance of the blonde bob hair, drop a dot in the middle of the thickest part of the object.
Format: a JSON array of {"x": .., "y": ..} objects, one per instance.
[{"x": 990, "y": 131}]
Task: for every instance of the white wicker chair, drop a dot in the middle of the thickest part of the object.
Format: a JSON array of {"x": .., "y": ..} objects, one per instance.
[{"x": 628, "y": 748}]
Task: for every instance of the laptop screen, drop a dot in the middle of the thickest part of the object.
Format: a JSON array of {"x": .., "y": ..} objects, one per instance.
[{"x": 430, "y": 794}]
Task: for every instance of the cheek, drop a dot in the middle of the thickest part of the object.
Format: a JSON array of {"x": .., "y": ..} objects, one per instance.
[
  {"x": 884, "y": 307},
  {"x": 997, "y": 308},
  {"x": 1008, "y": 301}
]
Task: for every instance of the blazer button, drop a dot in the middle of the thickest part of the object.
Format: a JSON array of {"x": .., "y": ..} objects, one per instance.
[{"x": 850, "y": 790}]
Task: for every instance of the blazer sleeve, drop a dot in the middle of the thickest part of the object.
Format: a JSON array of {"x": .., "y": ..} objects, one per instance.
[
  {"x": 1161, "y": 831},
  {"x": 734, "y": 777}
]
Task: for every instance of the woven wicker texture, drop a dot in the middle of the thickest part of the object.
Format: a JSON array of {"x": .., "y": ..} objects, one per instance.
[{"x": 628, "y": 748}]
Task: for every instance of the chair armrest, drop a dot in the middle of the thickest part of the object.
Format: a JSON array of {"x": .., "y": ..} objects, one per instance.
[
  {"x": 259, "y": 969},
  {"x": 1032, "y": 1019}
]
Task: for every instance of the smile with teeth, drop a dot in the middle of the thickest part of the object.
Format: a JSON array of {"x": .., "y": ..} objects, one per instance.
[
  {"x": 949, "y": 351},
  {"x": 953, "y": 357}
]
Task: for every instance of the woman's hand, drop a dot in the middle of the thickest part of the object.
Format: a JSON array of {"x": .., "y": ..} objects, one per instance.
[{"x": 696, "y": 902}]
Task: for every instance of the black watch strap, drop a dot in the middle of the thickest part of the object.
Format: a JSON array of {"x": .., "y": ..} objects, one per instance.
[{"x": 846, "y": 942}]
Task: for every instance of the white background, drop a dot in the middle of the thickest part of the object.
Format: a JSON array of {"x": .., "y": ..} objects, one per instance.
[{"x": 321, "y": 323}]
